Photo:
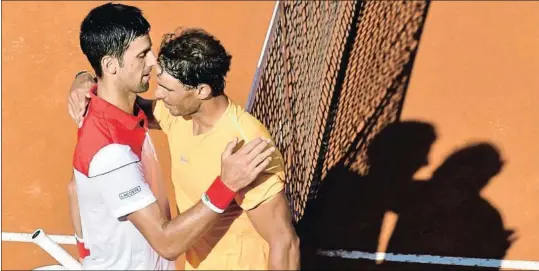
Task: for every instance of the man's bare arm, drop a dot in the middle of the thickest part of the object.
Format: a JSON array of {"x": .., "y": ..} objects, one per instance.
[
  {"x": 172, "y": 238},
  {"x": 74, "y": 208},
  {"x": 74, "y": 212},
  {"x": 273, "y": 222}
]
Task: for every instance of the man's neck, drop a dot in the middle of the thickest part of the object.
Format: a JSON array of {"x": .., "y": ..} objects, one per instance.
[
  {"x": 122, "y": 99},
  {"x": 209, "y": 113}
]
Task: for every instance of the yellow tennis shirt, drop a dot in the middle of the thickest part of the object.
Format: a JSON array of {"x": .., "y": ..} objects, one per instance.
[{"x": 233, "y": 242}]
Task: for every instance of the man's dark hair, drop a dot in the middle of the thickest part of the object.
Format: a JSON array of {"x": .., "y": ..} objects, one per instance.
[
  {"x": 108, "y": 30},
  {"x": 195, "y": 57}
]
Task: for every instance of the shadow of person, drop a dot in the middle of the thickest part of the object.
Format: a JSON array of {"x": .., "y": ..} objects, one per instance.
[
  {"x": 448, "y": 216},
  {"x": 349, "y": 209}
]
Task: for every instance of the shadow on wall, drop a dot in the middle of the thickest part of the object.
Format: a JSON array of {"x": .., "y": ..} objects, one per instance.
[{"x": 443, "y": 216}]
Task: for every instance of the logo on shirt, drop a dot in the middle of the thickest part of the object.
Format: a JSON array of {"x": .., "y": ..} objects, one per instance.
[
  {"x": 130, "y": 193},
  {"x": 183, "y": 160}
]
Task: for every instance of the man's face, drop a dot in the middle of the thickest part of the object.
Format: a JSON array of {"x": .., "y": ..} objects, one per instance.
[
  {"x": 137, "y": 63},
  {"x": 177, "y": 97}
]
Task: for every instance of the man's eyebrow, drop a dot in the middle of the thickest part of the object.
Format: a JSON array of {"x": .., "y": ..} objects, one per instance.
[
  {"x": 164, "y": 87},
  {"x": 145, "y": 50}
]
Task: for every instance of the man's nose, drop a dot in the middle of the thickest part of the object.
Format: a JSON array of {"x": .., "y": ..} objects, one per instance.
[
  {"x": 160, "y": 93},
  {"x": 151, "y": 60}
]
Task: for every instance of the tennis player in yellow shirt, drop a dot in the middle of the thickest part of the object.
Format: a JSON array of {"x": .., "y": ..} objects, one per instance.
[{"x": 255, "y": 231}]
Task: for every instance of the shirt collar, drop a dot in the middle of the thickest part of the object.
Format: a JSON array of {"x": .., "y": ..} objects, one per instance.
[{"x": 100, "y": 106}]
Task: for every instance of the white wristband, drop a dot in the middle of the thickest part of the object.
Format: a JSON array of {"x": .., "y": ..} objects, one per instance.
[{"x": 206, "y": 200}]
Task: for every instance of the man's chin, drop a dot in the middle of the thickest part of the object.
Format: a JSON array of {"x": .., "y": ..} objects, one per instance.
[
  {"x": 143, "y": 88},
  {"x": 175, "y": 113}
]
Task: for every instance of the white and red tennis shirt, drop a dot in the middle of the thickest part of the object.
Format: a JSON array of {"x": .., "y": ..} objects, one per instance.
[{"x": 109, "y": 172}]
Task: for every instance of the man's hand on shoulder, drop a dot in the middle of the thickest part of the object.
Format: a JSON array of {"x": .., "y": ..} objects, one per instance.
[
  {"x": 79, "y": 95},
  {"x": 239, "y": 169}
]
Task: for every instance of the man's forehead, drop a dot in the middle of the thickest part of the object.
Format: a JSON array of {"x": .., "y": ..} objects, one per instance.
[
  {"x": 164, "y": 78},
  {"x": 142, "y": 42}
]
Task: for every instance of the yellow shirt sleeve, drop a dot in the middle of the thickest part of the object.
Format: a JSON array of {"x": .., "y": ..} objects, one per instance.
[
  {"x": 271, "y": 181},
  {"x": 163, "y": 116},
  {"x": 268, "y": 184}
]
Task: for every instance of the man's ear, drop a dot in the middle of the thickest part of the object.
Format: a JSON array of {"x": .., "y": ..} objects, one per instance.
[
  {"x": 109, "y": 64},
  {"x": 203, "y": 91}
]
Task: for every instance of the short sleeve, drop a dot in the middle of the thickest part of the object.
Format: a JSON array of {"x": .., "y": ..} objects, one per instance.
[
  {"x": 163, "y": 116},
  {"x": 119, "y": 177},
  {"x": 268, "y": 184}
]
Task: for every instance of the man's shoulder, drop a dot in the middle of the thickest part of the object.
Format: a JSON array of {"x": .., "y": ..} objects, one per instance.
[
  {"x": 249, "y": 124},
  {"x": 92, "y": 136},
  {"x": 113, "y": 143}
]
